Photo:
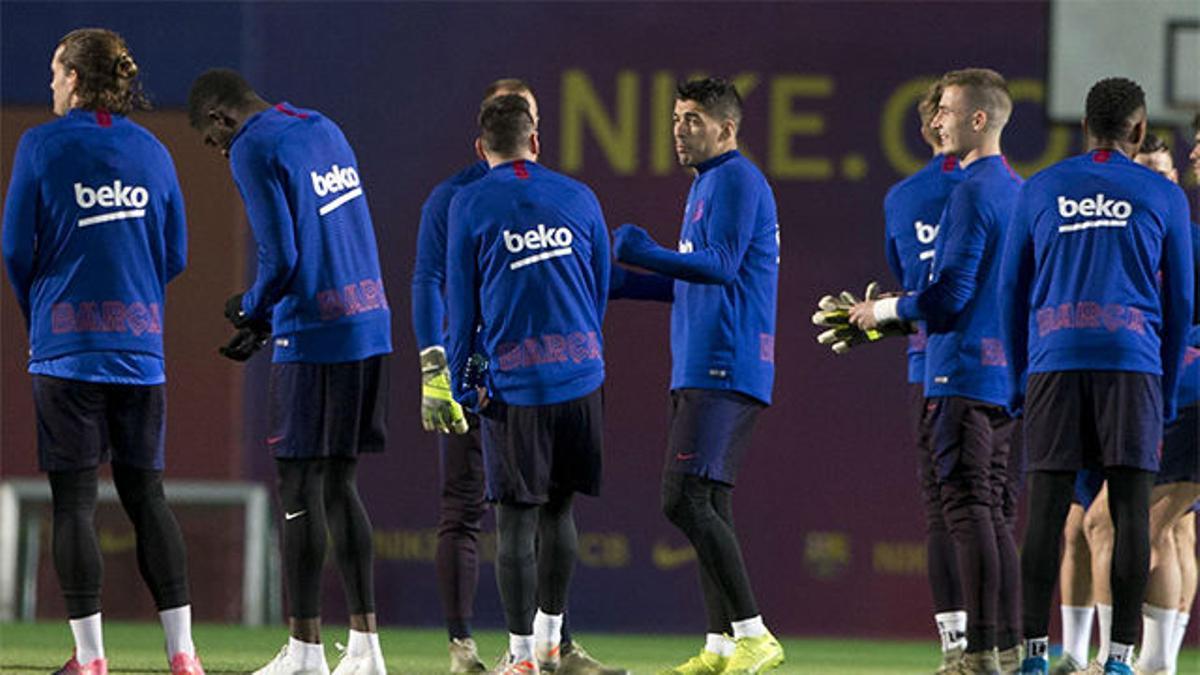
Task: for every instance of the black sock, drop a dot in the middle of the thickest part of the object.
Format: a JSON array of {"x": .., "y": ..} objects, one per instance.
[
  {"x": 301, "y": 488},
  {"x": 557, "y": 548},
  {"x": 77, "y": 559},
  {"x": 161, "y": 554},
  {"x": 1129, "y": 503},
  {"x": 350, "y": 529},
  {"x": 516, "y": 565},
  {"x": 1049, "y": 499},
  {"x": 691, "y": 503}
]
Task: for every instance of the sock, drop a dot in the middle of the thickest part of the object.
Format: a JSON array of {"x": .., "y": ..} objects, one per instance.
[
  {"x": 952, "y": 627},
  {"x": 1077, "y": 631},
  {"x": 752, "y": 627},
  {"x": 177, "y": 627},
  {"x": 1158, "y": 627},
  {"x": 306, "y": 654},
  {"x": 361, "y": 644},
  {"x": 1104, "y": 615},
  {"x": 719, "y": 644},
  {"x": 1121, "y": 653},
  {"x": 1037, "y": 648},
  {"x": 1181, "y": 624},
  {"x": 547, "y": 628},
  {"x": 520, "y": 647},
  {"x": 89, "y": 638}
]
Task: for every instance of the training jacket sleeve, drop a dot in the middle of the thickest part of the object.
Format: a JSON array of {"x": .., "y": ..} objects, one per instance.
[
  {"x": 258, "y": 179},
  {"x": 730, "y": 229},
  {"x": 1016, "y": 274},
  {"x": 601, "y": 259},
  {"x": 461, "y": 300},
  {"x": 1178, "y": 284},
  {"x": 20, "y": 223},
  {"x": 175, "y": 230},
  {"x": 963, "y": 237},
  {"x": 895, "y": 263},
  {"x": 429, "y": 270}
]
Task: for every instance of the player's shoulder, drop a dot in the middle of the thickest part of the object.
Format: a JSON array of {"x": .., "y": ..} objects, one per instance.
[
  {"x": 741, "y": 168},
  {"x": 443, "y": 192}
]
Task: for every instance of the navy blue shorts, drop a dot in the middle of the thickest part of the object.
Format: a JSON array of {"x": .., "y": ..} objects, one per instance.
[
  {"x": 710, "y": 431},
  {"x": 1093, "y": 419},
  {"x": 1181, "y": 448},
  {"x": 531, "y": 452},
  {"x": 84, "y": 424},
  {"x": 1087, "y": 485},
  {"x": 969, "y": 443},
  {"x": 319, "y": 410}
]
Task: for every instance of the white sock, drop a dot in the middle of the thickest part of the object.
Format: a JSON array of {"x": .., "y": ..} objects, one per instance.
[
  {"x": 177, "y": 627},
  {"x": 547, "y": 628},
  {"x": 1158, "y": 626},
  {"x": 1077, "y": 631},
  {"x": 1120, "y": 653},
  {"x": 1104, "y": 615},
  {"x": 361, "y": 644},
  {"x": 520, "y": 647},
  {"x": 1036, "y": 648},
  {"x": 1181, "y": 624},
  {"x": 306, "y": 654},
  {"x": 752, "y": 627},
  {"x": 89, "y": 638},
  {"x": 718, "y": 644},
  {"x": 952, "y": 627}
]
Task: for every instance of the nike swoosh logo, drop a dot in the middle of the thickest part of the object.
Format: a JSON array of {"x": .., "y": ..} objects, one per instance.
[
  {"x": 293, "y": 516},
  {"x": 683, "y": 457},
  {"x": 274, "y": 439}
]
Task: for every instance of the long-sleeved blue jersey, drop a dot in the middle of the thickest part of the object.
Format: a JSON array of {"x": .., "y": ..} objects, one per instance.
[
  {"x": 318, "y": 264},
  {"x": 527, "y": 268},
  {"x": 94, "y": 229},
  {"x": 911, "y": 211},
  {"x": 429, "y": 270},
  {"x": 964, "y": 355},
  {"x": 1088, "y": 238},
  {"x": 1189, "y": 377},
  {"x": 727, "y": 278}
]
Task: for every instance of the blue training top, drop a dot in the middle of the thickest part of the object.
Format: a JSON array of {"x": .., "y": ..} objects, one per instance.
[
  {"x": 1080, "y": 284},
  {"x": 527, "y": 268},
  {"x": 911, "y": 211},
  {"x": 318, "y": 264},
  {"x": 964, "y": 355},
  {"x": 429, "y": 270},
  {"x": 94, "y": 228},
  {"x": 726, "y": 280}
]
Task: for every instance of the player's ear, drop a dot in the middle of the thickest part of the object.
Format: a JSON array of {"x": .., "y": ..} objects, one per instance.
[
  {"x": 479, "y": 149},
  {"x": 535, "y": 144},
  {"x": 1138, "y": 133},
  {"x": 979, "y": 120}
]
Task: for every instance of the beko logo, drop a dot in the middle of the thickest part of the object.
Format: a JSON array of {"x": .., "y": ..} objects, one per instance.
[
  {"x": 1102, "y": 211},
  {"x": 551, "y": 241},
  {"x": 335, "y": 180},
  {"x": 132, "y": 199}
]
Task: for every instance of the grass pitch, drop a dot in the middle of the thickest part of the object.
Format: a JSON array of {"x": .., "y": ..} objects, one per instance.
[{"x": 137, "y": 648}]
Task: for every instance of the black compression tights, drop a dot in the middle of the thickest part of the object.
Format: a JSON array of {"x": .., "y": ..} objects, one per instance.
[
  {"x": 161, "y": 555},
  {"x": 535, "y": 557},
  {"x": 703, "y": 510},
  {"x": 319, "y": 496},
  {"x": 1129, "y": 501},
  {"x": 77, "y": 559}
]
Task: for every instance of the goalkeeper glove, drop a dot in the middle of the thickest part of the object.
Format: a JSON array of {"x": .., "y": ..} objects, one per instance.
[
  {"x": 439, "y": 411},
  {"x": 244, "y": 343},
  {"x": 834, "y": 313},
  {"x": 238, "y": 317}
]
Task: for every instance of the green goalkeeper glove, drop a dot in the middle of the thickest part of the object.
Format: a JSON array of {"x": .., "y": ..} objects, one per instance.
[
  {"x": 439, "y": 410},
  {"x": 834, "y": 314},
  {"x": 844, "y": 338}
]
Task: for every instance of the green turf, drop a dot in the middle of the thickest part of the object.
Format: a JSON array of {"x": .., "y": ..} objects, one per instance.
[{"x": 137, "y": 647}]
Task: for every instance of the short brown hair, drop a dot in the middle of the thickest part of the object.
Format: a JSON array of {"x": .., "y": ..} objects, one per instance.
[
  {"x": 927, "y": 108},
  {"x": 985, "y": 90},
  {"x": 505, "y": 124},
  {"x": 106, "y": 71},
  {"x": 512, "y": 85}
]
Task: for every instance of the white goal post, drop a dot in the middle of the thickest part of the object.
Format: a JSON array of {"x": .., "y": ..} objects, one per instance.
[{"x": 20, "y": 540}]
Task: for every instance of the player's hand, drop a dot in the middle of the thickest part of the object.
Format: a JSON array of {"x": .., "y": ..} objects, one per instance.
[
  {"x": 628, "y": 240},
  {"x": 862, "y": 315},
  {"x": 244, "y": 343},
  {"x": 238, "y": 317},
  {"x": 439, "y": 411},
  {"x": 475, "y": 394}
]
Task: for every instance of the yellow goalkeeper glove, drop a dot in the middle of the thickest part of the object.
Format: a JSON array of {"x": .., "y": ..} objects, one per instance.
[
  {"x": 834, "y": 314},
  {"x": 439, "y": 410}
]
